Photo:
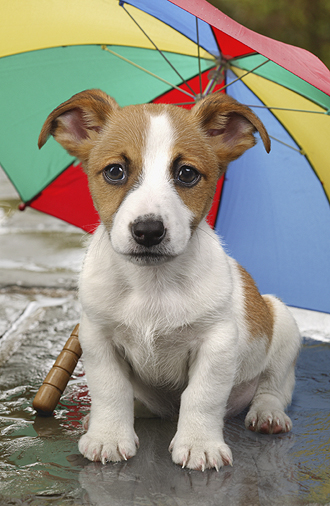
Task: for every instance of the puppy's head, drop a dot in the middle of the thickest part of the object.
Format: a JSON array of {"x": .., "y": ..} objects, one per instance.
[{"x": 152, "y": 169}]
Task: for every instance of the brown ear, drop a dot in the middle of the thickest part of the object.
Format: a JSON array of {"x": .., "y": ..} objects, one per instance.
[
  {"x": 76, "y": 123},
  {"x": 229, "y": 125}
]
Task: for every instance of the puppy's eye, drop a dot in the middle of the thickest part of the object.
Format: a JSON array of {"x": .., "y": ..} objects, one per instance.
[
  {"x": 188, "y": 176},
  {"x": 114, "y": 174}
]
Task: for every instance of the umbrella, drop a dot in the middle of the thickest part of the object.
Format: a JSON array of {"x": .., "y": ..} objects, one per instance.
[{"x": 272, "y": 210}]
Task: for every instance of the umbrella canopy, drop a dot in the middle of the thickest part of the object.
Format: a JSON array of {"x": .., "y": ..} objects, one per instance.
[{"x": 272, "y": 210}]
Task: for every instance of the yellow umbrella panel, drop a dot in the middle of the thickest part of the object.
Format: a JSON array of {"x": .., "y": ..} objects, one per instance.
[{"x": 29, "y": 26}]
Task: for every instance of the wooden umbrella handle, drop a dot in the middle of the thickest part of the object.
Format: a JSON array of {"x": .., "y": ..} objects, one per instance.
[{"x": 56, "y": 380}]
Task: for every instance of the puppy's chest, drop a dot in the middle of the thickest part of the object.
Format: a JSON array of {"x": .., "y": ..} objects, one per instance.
[
  {"x": 157, "y": 359},
  {"x": 149, "y": 311}
]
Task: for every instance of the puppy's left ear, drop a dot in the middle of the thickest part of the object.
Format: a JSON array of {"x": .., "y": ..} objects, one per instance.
[{"x": 229, "y": 126}]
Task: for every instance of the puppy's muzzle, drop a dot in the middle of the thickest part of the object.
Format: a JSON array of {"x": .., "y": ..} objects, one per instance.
[{"x": 148, "y": 232}]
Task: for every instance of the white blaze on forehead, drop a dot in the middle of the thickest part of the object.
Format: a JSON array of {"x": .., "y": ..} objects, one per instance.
[
  {"x": 155, "y": 195},
  {"x": 159, "y": 144}
]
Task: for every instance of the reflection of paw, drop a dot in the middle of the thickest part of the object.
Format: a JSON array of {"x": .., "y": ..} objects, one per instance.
[
  {"x": 108, "y": 447},
  {"x": 268, "y": 421},
  {"x": 200, "y": 454}
]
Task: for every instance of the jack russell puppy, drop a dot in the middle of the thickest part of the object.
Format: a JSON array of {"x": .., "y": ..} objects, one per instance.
[{"x": 168, "y": 317}]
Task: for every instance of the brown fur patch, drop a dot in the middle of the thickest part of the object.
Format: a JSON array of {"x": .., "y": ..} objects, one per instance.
[
  {"x": 193, "y": 149},
  {"x": 122, "y": 141},
  {"x": 258, "y": 310}
]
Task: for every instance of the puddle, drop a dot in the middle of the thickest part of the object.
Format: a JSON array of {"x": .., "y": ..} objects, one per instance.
[
  {"x": 41, "y": 464},
  {"x": 34, "y": 450}
]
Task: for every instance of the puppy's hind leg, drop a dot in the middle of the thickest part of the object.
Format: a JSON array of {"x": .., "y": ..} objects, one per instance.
[{"x": 276, "y": 382}]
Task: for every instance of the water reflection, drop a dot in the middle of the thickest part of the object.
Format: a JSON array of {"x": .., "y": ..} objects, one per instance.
[
  {"x": 40, "y": 458},
  {"x": 261, "y": 468}
]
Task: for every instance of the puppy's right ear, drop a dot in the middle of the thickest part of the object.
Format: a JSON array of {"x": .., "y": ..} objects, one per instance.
[{"x": 76, "y": 123}]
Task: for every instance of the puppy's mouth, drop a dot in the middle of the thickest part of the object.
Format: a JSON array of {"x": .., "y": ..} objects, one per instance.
[{"x": 148, "y": 258}]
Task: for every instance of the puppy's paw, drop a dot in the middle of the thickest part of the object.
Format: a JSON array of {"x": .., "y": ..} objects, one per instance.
[
  {"x": 267, "y": 421},
  {"x": 108, "y": 447},
  {"x": 200, "y": 454}
]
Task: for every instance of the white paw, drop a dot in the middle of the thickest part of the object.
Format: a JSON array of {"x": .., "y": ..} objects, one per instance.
[
  {"x": 199, "y": 453},
  {"x": 267, "y": 421},
  {"x": 108, "y": 447}
]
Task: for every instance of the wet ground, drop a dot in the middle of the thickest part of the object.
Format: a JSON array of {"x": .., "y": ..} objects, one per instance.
[{"x": 39, "y": 459}]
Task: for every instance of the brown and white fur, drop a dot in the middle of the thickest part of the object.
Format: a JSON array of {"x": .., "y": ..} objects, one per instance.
[{"x": 167, "y": 316}]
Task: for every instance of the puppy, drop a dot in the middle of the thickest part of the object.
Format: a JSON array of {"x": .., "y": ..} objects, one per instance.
[{"x": 167, "y": 316}]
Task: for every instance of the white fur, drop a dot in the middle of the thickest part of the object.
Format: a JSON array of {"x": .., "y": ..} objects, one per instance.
[{"x": 174, "y": 334}]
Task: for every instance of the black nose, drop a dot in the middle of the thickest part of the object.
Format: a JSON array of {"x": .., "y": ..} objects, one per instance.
[{"x": 148, "y": 232}]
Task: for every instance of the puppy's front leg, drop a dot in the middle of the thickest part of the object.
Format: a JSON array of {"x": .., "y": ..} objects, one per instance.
[
  {"x": 110, "y": 435},
  {"x": 198, "y": 442}
]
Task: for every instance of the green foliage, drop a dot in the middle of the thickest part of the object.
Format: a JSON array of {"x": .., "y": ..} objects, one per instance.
[{"x": 303, "y": 23}]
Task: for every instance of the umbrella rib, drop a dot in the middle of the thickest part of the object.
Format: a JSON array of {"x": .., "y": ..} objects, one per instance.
[
  {"x": 271, "y": 108},
  {"x": 199, "y": 59},
  {"x": 105, "y": 48},
  {"x": 157, "y": 48},
  {"x": 301, "y": 151},
  {"x": 182, "y": 103}
]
